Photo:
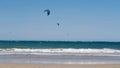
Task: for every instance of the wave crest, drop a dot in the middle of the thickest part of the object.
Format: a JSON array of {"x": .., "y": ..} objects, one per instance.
[{"x": 104, "y": 51}]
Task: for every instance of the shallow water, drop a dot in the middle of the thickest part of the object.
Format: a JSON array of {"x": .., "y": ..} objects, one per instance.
[{"x": 59, "y": 59}]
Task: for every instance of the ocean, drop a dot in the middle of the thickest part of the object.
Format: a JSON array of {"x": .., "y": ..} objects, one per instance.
[{"x": 60, "y": 52}]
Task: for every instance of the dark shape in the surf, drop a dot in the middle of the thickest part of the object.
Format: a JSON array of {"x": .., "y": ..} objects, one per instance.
[
  {"x": 58, "y": 24},
  {"x": 47, "y": 11}
]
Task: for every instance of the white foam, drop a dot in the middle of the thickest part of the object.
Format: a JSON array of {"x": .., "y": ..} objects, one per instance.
[{"x": 104, "y": 51}]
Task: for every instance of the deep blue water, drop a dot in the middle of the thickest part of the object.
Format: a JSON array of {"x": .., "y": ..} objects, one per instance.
[{"x": 59, "y": 44}]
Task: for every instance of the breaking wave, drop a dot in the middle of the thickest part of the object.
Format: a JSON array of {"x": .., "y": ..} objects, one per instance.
[{"x": 62, "y": 51}]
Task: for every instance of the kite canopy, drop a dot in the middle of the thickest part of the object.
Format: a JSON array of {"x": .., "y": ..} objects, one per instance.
[
  {"x": 47, "y": 11},
  {"x": 58, "y": 24}
]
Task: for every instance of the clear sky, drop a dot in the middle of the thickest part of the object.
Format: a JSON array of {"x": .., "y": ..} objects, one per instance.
[{"x": 80, "y": 20}]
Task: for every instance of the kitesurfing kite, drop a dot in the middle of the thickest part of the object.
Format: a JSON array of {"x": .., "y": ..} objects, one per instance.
[
  {"x": 47, "y": 11},
  {"x": 58, "y": 24}
]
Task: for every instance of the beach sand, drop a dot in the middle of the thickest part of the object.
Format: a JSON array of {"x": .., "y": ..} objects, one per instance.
[{"x": 59, "y": 65}]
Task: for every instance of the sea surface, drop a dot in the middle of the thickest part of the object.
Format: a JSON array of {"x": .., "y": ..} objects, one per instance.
[{"x": 60, "y": 52}]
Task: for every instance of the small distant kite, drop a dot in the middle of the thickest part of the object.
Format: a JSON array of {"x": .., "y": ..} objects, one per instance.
[
  {"x": 47, "y": 11},
  {"x": 58, "y": 24}
]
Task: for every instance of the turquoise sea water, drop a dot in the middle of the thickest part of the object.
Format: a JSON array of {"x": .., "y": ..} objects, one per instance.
[
  {"x": 68, "y": 52},
  {"x": 59, "y": 44}
]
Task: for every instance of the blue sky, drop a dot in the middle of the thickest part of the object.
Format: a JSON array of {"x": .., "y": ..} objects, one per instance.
[{"x": 80, "y": 20}]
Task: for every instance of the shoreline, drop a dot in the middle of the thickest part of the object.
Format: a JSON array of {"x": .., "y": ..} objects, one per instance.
[{"x": 59, "y": 65}]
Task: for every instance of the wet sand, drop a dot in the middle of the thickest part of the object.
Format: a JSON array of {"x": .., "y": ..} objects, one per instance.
[{"x": 59, "y": 65}]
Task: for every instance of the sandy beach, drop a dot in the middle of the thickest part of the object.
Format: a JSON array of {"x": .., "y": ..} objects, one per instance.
[{"x": 59, "y": 66}]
